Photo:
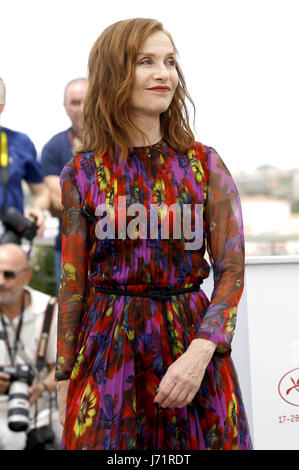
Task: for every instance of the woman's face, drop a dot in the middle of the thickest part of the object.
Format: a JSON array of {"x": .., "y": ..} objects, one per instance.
[{"x": 156, "y": 77}]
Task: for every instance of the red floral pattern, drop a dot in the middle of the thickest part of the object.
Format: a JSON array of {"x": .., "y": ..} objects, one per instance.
[{"x": 116, "y": 349}]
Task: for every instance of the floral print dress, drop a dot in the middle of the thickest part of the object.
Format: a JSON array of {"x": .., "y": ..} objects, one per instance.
[{"x": 115, "y": 349}]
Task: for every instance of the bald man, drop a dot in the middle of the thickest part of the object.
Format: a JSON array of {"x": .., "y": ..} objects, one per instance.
[
  {"x": 59, "y": 150},
  {"x": 22, "y": 309}
]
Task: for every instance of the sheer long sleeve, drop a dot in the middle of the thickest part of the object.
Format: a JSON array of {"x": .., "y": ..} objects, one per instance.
[
  {"x": 73, "y": 275},
  {"x": 225, "y": 244}
]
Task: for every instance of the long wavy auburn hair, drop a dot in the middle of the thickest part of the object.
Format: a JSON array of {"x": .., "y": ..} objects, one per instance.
[{"x": 107, "y": 125}]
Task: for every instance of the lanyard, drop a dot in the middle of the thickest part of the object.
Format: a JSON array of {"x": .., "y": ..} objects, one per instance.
[
  {"x": 4, "y": 150},
  {"x": 12, "y": 352},
  {"x": 4, "y": 165}
]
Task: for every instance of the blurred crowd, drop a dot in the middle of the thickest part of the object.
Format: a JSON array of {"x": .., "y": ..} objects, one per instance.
[{"x": 28, "y": 317}]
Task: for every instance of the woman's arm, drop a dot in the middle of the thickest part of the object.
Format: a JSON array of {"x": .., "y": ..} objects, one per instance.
[
  {"x": 73, "y": 282},
  {"x": 225, "y": 244},
  {"x": 73, "y": 272}
]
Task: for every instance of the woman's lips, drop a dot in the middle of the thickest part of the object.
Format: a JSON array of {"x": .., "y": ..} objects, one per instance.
[{"x": 161, "y": 89}]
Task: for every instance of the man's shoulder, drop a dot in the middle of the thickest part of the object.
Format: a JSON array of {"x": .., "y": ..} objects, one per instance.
[
  {"x": 56, "y": 152},
  {"x": 61, "y": 138},
  {"x": 16, "y": 136},
  {"x": 38, "y": 300}
]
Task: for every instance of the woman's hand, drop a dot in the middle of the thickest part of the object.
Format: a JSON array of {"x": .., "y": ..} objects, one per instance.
[
  {"x": 183, "y": 378},
  {"x": 62, "y": 389}
]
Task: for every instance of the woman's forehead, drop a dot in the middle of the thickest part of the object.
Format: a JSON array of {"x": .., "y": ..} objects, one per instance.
[{"x": 157, "y": 41}]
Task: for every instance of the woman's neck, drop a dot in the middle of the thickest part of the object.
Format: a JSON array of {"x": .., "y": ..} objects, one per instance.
[{"x": 150, "y": 127}]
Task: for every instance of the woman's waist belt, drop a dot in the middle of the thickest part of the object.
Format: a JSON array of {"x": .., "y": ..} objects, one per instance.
[{"x": 157, "y": 294}]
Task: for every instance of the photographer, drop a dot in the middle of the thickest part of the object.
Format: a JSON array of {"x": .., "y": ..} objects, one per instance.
[
  {"x": 18, "y": 162},
  {"x": 22, "y": 320},
  {"x": 59, "y": 150}
]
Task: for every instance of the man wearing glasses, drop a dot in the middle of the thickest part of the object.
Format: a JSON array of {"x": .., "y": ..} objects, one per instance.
[{"x": 22, "y": 313}]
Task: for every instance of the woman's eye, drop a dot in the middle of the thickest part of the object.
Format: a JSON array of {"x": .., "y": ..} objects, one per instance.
[
  {"x": 171, "y": 62},
  {"x": 145, "y": 62}
]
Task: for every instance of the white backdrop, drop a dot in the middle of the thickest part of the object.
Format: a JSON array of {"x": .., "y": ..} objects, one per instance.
[
  {"x": 265, "y": 350},
  {"x": 239, "y": 58}
]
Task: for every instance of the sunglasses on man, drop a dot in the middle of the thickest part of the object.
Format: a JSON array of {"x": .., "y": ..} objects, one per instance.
[{"x": 10, "y": 275}]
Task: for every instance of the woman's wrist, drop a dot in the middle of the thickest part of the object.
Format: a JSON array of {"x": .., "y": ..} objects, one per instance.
[
  {"x": 203, "y": 345},
  {"x": 62, "y": 384}
]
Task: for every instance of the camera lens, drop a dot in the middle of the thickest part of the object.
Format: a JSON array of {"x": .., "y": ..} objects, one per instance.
[{"x": 18, "y": 407}]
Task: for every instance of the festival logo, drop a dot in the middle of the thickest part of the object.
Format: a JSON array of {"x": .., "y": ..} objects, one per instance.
[{"x": 288, "y": 387}]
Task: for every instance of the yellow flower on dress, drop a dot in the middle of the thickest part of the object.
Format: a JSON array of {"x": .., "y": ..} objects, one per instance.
[
  {"x": 109, "y": 311},
  {"x": 76, "y": 299},
  {"x": 233, "y": 414},
  {"x": 174, "y": 305},
  {"x": 198, "y": 171},
  {"x": 178, "y": 348},
  {"x": 159, "y": 198},
  {"x": 76, "y": 367},
  {"x": 136, "y": 191},
  {"x": 170, "y": 316},
  {"x": 109, "y": 201},
  {"x": 68, "y": 273},
  {"x": 86, "y": 413},
  {"x": 59, "y": 364},
  {"x": 103, "y": 175},
  {"x": 116, "y": 331},
  {"x": 196, "y": 166},
  {"x": 130, "y": 334},
  {"x": 232, "y": 318}
]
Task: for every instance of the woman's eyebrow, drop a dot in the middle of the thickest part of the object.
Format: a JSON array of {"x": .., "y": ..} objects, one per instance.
[{"x": 152, "y": 54}]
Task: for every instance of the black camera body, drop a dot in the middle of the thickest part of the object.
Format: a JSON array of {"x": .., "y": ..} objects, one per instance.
[
  {"x": 16, "y": 227},
  {"x": 21, "y": 372},
  {"x": 21, "y": 377},
  {"x": 42, "y": 438}
]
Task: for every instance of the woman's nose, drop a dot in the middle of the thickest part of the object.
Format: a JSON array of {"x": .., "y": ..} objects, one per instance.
[{"x": 161, "y": 72}]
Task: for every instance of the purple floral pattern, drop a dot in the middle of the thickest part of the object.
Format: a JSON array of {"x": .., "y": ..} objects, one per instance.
[{"x": 115, "y": 349}]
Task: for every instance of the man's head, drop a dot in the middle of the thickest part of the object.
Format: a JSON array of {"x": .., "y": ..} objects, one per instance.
[
  {"x": 15, "y": 272},
  {"x": 74, "y": 96},
  {"x": 2, "y": 95}
]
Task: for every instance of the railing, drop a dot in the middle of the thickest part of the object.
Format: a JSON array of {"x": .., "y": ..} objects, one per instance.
[{"x": 265, "y": 350}]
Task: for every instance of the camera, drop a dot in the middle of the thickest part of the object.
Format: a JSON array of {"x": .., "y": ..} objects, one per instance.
[
  {"x": 21, "y": 377},
  {"x": 41, "y": 438},
  {"x": 15, "y": 226}
]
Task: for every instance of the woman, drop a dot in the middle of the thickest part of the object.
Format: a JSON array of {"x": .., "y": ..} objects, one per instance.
[{"x": 143, "y": 355}]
